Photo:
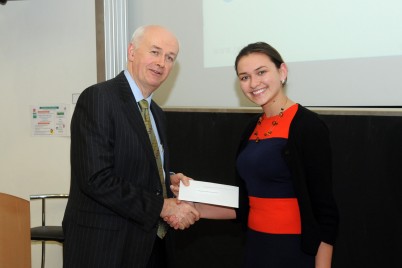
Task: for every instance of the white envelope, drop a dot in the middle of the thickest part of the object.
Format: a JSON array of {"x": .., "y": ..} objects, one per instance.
[{"x": 210, "y": 193}]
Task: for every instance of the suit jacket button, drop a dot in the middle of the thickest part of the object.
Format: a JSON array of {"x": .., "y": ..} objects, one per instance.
[{"x": 158, "y": 193}]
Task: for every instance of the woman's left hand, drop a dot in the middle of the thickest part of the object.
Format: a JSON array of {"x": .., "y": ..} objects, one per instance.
[{"x": 175, "y": 182}]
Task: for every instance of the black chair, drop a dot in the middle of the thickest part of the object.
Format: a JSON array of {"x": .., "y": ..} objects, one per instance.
[{"x": 44, "y": 232}]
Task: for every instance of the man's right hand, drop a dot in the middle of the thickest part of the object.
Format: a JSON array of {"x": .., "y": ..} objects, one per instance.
[{"x": 179, "y": 215}]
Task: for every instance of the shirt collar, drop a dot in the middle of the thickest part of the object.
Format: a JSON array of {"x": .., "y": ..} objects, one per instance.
[{"x": 136, "y": 90}]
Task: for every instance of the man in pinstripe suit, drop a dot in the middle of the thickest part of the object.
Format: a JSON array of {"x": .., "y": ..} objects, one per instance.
[{"x": 116, "y": 200}]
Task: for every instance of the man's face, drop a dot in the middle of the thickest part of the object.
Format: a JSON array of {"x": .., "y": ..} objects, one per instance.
[{"x": 152, "y": 60}]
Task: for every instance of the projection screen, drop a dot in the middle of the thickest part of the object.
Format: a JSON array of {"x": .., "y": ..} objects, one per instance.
[{"x": 339, "y": 53}]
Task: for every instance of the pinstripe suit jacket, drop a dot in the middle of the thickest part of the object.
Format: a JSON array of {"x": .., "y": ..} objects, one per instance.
[{"x": 115, "y": 192}]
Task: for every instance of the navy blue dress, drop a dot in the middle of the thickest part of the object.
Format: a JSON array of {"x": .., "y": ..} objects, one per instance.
[{"x": 274, "y": 228}]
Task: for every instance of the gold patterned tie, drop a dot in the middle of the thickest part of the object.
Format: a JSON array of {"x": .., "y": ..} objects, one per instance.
[{"x": 162, "y": 226}]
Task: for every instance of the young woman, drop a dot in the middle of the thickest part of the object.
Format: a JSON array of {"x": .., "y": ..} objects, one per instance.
[{"x": 284, "y": 168}]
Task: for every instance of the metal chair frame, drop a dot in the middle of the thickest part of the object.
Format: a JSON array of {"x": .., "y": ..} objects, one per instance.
[{"x": 44, "y": 227}]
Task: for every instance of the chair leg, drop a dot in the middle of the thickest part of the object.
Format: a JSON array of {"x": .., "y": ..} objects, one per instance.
[{"x": 43, "y": 255}]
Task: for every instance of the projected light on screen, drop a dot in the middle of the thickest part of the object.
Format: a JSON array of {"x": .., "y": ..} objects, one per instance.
[
  {"x": 340, "y": 53},
  {"x": 309, "y": 30}
]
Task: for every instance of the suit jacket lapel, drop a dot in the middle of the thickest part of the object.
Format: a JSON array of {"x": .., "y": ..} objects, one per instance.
[{"x": 130, "y": 108}]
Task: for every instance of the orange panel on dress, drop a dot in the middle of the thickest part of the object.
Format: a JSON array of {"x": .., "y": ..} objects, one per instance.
[
  {"x": 281, "y": 127},
  {"x": 274, "y": 215}
]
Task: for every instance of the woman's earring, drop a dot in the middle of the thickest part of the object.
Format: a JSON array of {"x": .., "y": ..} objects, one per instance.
[{"x": 283, "y": 82}]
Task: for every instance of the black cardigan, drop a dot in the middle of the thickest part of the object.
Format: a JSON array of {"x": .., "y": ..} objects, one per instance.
[{"x": 308, "y": 155}]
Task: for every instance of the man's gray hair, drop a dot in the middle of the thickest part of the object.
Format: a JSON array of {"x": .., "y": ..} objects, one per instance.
[{"x": 137, "y": 35}]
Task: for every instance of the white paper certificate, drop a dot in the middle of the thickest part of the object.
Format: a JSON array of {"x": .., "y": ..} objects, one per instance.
[{"x": 210, "y": 193}]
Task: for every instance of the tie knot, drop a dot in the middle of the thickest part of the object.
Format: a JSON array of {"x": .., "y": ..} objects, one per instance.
[{"x": 143, "y": 104}]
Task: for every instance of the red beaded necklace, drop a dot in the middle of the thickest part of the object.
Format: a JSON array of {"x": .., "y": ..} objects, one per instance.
[{"x": 275, "y": 122}]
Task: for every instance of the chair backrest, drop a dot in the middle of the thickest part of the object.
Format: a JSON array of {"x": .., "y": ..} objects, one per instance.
[
  {"x": 15, "y": 237},
  {"x": 43, "y": 198}
]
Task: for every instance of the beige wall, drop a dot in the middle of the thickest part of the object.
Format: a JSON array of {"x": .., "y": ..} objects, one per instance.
[{"x": 47, "y": 53}]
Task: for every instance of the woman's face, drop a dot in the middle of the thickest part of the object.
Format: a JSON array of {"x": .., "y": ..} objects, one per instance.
[{"x": 260, "y": 80}]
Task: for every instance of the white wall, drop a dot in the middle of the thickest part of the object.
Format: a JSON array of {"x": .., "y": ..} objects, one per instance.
[
  {"x": 190, "y": 84},
  {"x": 47, "y": 53}
]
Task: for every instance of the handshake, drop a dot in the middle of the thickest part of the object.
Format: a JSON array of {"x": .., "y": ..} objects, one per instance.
[
  {"x": 182, "y": 214},
  {"x": 179, "y": 214}
]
